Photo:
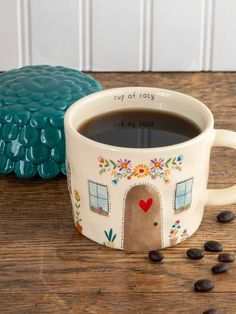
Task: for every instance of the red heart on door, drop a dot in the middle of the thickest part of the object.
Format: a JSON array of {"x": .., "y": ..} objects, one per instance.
[{"x": 145, "y": 205}]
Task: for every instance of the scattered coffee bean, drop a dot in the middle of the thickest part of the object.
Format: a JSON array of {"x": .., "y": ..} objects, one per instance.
[
  {"x": 220, "y": 268},
  {"x": 155, "y": 256},
  {"x": 211, "y": 311},
  {"x": 226, "y": 257},
  {"x": 213, "y": 246},
  {"x": 225, "y": 216},
  {"x": 195, "y": 253},
  {"x": 203, "y": 285}
]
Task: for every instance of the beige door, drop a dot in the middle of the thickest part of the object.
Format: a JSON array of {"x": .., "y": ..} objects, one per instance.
[{"x": 142, "y": 221}]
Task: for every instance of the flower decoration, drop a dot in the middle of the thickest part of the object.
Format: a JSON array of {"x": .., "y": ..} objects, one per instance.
[
  {"x": 157, "y": 164},
  {"x": 141, "y": 171},
  {"x": 124, "y": 165},
  {"x": 99, "y": 210},
  {"x": 76, "y": 214},
  {"x": 174, "y": 233},
  {"x": 101, "y": 160},
  {"x": 77, "y": 195},
  {"x": 174, "y": 229},
  {"x": 184, "y": 235},
  {"x": 68, "y": 170},
  {"x": 166, "y": 172},
  {"x": 114, "y": 173},
  {"x": 156, "y": 168}
]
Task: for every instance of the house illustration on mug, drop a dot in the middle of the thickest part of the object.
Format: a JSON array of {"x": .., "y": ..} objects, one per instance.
[{"x": 131, "y": 205}]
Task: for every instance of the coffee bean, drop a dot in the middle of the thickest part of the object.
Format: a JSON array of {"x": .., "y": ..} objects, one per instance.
[
  {"x": 203, "y": 285},
  {"x": 225, "y": 216},
  {"x": 220, "y": 268},
  {"x": 213, "y": 246},
  {"x": 195, "y": 253},
  {"x": 226, "y": 257},
  {"x": 211, "y": 311},
  {"x": 155, "y": 256}
]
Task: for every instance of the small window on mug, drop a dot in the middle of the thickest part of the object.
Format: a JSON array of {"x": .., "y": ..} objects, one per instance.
[
  {"x": 98, "y": 198},
  {"x": 183, "y": 195}
]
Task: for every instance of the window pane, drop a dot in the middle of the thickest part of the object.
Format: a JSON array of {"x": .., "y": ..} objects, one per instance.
[
  {"x": 188, "y": 198},
  {"x": 180, "y": 189},
  {"x": 103, "y": 205},
  {"x": 189, "y": 185},
  {"x": 179, "y": 202},
  {"x": 102, "y": 191},
  {"x": 92, "y": 188},
  {"x": 93, "y": 201}
]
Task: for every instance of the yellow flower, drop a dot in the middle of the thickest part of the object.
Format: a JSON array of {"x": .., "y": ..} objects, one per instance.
[
  {"x": 114, "y": 173},
  {"x": 141, "y": 170},
  {"x": 166, "y": 172},
  {"x": 77, "y": 195},
  {"x": 167, "y": 181}
]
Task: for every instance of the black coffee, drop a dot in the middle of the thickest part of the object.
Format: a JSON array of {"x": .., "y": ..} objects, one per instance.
[{"x": 139, "y": 128}]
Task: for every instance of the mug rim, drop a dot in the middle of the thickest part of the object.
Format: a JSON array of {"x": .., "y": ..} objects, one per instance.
[{"x": 76, "y": 106}]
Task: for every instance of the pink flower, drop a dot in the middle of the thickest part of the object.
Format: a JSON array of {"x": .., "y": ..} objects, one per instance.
[
  {"x": 124, "y": 165},
  {"x": 157, "y": 164}
]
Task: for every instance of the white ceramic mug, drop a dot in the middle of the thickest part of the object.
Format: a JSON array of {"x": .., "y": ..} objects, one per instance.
[{"x": 148, "y": 198}]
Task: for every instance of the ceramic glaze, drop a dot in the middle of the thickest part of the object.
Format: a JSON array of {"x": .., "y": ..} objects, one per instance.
[{"x": 33, "y": 100}]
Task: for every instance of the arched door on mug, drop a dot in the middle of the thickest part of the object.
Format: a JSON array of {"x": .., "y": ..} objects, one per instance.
[{"x": 142, "y": 219}]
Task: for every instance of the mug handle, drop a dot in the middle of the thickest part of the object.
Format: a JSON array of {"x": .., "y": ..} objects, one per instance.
[{"x": 223, "y": 196}]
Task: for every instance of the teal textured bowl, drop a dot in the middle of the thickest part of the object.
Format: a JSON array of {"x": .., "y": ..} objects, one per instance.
[{"x": 33, "y": 101}]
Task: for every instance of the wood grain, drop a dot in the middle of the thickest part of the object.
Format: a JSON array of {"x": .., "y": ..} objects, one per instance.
[{"x": 47, "y": 267}]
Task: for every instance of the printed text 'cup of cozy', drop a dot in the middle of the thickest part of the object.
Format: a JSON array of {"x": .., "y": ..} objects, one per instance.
[{"x": 147, "y": 198}]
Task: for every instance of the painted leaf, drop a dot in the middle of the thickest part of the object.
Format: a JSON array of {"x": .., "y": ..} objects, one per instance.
[
  {"x": 167, "y": 162},
  {"x": 106, "y": 234},
  {"x": 110, "y": 234},
  {"x": 113, "y": 163}
]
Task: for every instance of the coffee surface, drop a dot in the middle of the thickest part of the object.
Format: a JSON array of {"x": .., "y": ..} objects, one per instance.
[{"x": 139, "y": 128}]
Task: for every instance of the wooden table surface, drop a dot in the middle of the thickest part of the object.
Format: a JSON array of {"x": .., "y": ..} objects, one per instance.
[{"x": 47, "y": 267}]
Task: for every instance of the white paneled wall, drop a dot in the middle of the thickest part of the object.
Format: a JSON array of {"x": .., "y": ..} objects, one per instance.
[
  {"x": 119, "y": 35},
  {"x": 10, "y": 35},
  {"x": 178, "y": 35},
  {"x": 224, "y": 38},
  {"x": 55, "y": 32},
  {"x": 116, "y": 35}
]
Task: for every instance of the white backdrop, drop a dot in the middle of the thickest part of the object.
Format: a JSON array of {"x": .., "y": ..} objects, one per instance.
[{"x": 119, "y": 35}]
